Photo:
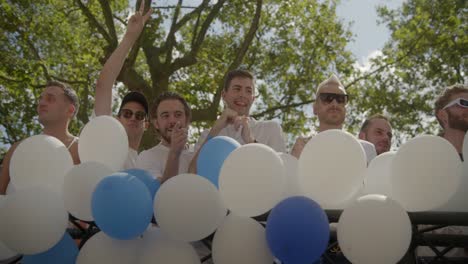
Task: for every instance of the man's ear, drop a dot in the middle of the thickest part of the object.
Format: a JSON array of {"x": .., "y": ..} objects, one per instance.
[
  {"x": 362, "y": 135},
  {"x": 442, "y": 116},
  {"x": 146, "y": 125},
  {"x": 314, "y": 108},
  {"x": 71, "y": 110}
]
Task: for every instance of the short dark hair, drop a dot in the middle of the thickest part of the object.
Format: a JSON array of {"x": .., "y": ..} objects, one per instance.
[
  {"x": 368, "y": 121},
  {"x": 236, "y": 73},
  {"x": 444, "y": 98},
  {"x": 170, "y": 96},
  {"x": 70, "y": 94}
]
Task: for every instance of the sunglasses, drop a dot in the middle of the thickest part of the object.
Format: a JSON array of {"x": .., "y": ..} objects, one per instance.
[
  {"x": 459, "y": 101},
  {"x": 127, "y": 113},
  {"x": 329, "y": 97}
]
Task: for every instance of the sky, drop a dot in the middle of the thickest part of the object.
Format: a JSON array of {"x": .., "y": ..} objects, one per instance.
[{"x": 369, "y": 36}]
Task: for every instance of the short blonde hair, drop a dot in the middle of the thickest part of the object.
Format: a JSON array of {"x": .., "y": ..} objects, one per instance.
[{"x": 332, "y": 80}]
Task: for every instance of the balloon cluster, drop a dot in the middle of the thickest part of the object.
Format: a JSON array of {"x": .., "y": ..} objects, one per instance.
[{"x": 236, "y": 184}]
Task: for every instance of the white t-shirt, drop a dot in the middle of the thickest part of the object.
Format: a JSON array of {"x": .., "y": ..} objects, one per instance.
[
  {"x": 267, "y": 132},
  {"x": 154, "y": 160},
  {"x": 130, "y": 162}
]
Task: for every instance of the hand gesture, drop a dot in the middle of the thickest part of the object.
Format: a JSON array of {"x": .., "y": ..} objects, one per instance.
[
  {"x": 178, "y": 138},
  {"x": 299, "y": 146},
  {"x": 137, "y": 21}
]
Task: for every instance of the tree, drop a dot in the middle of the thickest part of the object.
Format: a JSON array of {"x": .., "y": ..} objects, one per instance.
[
  {"x": 427, "y": 52},
  {"x": 290, "y": 45}
]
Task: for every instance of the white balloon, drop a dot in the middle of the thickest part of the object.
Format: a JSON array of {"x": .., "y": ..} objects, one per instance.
[
  {"x": 240, "y": 240},
  {"x": 10, "y": 188},
  {"x": 465, "y": 146},
  {"x": 33, "y": 220},
  {"x": 188, "y": 207},
  {"x": 377, "y": 179},
  {"x": 369, "y": 149},
  {"x": 331, "y": 168},
  {"x": 291, "y": 164},
  {"x": 105, "y": 250},
  {"x": 5, "y": 252},
  {"x": 425, "y": 173},
  {"x": 104, "y": 140},
  {"x": 458, "y": 201},
  {"x": 157, "y": 247},
  {"x": 79, "y": 186},
  {"x": 374, "y": 229},
  {"x": 40, "y": 161},
  {"x": 251, "y": 180}
]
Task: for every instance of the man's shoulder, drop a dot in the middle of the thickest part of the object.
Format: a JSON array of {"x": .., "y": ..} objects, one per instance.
[{"x": 268, "y": 124}]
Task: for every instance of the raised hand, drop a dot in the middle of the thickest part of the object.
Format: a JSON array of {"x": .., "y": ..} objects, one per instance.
[
  {"x": 299, "y": 146},
  {"x": 178, "y": 138},
  {"x": 137, "y": 21}
]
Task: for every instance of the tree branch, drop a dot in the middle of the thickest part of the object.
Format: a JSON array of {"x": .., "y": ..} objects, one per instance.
[
  {"x": 93, "y": 21},
  {"x": 281, "y": 107},
  {"x": 190, "y": 58},
  {"x": 249, "y": 36},
  {"x": 107, "y": 11},
  {"x": 172, "y": 7},
  {"x": 171, "y": 40},
  {"x": 121, "y": 20},
  {"x": 38, "y": 58}
]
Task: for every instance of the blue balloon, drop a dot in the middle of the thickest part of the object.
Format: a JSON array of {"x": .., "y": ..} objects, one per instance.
[
  {"x": 212, "y": 156},
  {"x": 297, "y": 231},
  {"x": 64, "y": 252},
  {"x": 122, "y": 206},
  {"x": 151, "y": 183}
]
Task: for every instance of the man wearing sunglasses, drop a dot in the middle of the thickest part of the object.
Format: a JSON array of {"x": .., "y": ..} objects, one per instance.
[
  {"x": 330, "y": 108},
  {"x": 451, "y": 110},
  {"x": 133, "y": 110}
]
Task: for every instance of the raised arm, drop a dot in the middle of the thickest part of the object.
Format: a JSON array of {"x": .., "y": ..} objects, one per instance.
[{"x": 112, "y": 67}]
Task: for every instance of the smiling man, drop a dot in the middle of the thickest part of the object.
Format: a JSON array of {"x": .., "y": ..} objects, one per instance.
[
  {"x": 170, "y": 116},
  {"x": 378, "y": 131},
  {"x": 238, "y": 96}
]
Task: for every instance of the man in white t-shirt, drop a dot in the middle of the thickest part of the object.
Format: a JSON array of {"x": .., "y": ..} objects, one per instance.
[
  {"x": 238, "y": 95},
  {"x": 330, "y": 108},
  {"x": 133, "y": 112},
  {"x": 170, "y": 116}
]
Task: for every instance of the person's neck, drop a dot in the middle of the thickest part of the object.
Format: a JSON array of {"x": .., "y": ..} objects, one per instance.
[
  {"x": 455, "y": 137},
  {"x": 324, "y": 127},
  {"x": 165, "y": 143},
  {"x": 59, "y": 131},
  {"x": 134, "y": 141}
]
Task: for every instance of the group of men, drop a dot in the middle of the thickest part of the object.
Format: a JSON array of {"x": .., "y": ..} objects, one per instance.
[{"x": 171, "y": 115}]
